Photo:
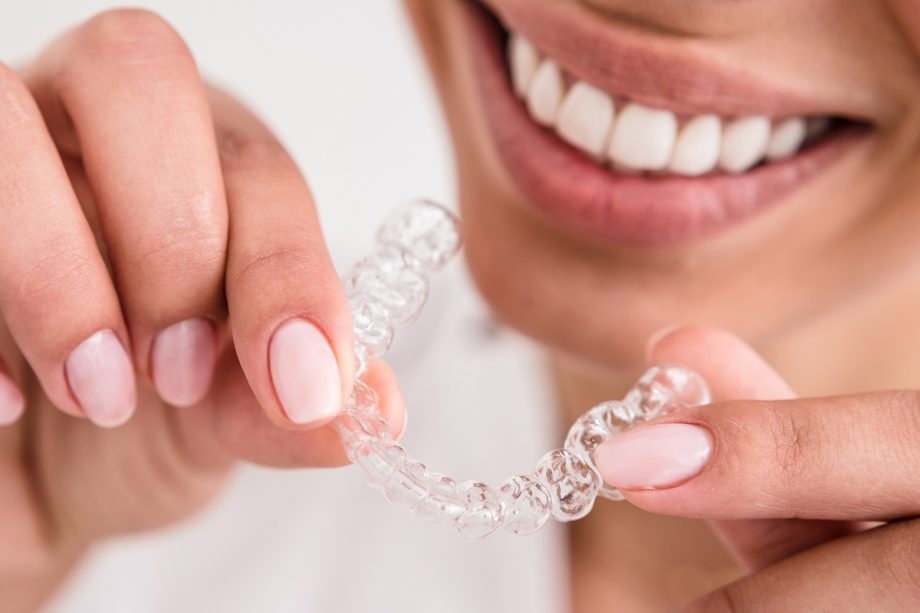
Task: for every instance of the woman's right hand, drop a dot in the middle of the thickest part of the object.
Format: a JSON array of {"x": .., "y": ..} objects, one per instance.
[{"x": 161, "y": 270}]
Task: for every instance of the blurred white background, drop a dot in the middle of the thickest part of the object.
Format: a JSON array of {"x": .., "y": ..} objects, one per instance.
[
  {"x": 342, "y": 83},
  {"x": 345, "y": 88}
]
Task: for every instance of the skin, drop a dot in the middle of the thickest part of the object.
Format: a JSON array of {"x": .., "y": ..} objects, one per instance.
[
  {"x": 844, "y": 277},
  {"x": 137, "y": 250},
  {"x": 836, "y": 233},
  {"x": 222, "y": 227}
]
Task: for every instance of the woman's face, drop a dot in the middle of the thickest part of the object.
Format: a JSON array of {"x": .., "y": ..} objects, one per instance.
[{"x": 698, "y": 201}]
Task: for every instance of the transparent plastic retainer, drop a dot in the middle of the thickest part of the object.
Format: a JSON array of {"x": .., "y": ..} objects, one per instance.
[{"x": 388, "y": 289}]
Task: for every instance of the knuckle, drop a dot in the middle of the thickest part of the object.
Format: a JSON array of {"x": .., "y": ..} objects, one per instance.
[
  {"x": 270, "y": 266},
  {"x": 790, "y": 435},
  {"x": 129, "y": 36},
  {"x": 53, "y": 273},
  {"x": 183, "y": 246}
]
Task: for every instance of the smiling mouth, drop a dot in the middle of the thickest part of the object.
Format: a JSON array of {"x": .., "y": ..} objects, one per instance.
[
  {"x": 633, "y": 137},
  {"x": 647, "y": 148}
]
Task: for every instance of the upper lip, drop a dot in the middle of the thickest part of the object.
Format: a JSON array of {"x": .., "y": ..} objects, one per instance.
[{"x": 685, "y": 75}]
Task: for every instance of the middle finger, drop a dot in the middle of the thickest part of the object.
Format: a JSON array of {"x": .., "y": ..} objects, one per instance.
[{"x": 137, "y": 107}]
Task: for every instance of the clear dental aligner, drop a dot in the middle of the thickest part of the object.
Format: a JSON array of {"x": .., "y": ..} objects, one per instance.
[{"x": 389, "y": 289}]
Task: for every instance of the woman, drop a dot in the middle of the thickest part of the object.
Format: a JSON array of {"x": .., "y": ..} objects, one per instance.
[{"x": 748, "y": 166}]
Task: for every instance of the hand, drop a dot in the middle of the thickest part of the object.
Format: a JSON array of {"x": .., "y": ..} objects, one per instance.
[
  {"x": 156, "y": 241},
  {"x": 790, "y": 483}
]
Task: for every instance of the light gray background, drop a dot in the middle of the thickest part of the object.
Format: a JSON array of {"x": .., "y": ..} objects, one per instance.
[{"x": 341, "y": 82}]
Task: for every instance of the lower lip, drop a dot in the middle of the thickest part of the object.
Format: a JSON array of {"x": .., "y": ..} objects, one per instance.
[{"x": 625, "y": 209}]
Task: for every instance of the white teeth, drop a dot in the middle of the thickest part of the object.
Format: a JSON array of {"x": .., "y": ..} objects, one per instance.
[
  {"x": 544, "y": 94},
  {"x": 643, "y": 138},
  {"x": 585, "y": 118},
  {"x": 786, "y": 139},
  {"x": 744, "y": 143},
  {"x": 698, "y": 146},
  {"x": 639, "y": 138},
  {"x": 523, "y": 59}
]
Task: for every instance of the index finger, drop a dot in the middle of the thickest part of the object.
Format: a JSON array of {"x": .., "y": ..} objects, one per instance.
[
  {"x": 288, "y": 311},
  {"x": 825, "y": 458},
  {"x": 735, "y": 371},
  {"x": 843, "y": 458}
]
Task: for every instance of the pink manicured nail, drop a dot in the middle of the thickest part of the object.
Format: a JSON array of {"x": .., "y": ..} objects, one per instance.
[
  {"x": 182, "y": 361},
  {"x": 12, "y": 404},
  {"x": 304, "y": 372},
  {"x": 654, "y": 457},
  {"x": 101, "y": 377}
]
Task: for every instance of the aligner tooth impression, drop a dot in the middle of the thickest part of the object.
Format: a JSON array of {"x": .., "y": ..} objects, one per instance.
[{"x": 388, "y": 289}]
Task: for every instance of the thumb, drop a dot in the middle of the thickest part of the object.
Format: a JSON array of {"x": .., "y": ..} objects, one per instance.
[
  {"x": 233, "y": 425},
  {"x": 733, "y": 370}
]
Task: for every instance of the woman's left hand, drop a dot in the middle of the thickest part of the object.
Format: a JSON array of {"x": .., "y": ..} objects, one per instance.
[{"x": 790, "y": 484}]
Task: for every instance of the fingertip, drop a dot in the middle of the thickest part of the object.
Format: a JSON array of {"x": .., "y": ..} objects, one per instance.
[
  {"x": 733, "y": 369},
  {"x": 683, "y": 338},
  {"x": 657, "y": 337},
  {"x": 392, "y": 407},
  {"x": 398, "y": 427}
]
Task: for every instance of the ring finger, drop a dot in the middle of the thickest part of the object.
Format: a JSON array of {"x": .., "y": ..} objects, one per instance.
[{"x": 56, "y": 296}]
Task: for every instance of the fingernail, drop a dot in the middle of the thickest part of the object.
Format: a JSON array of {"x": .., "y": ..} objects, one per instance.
[
  {"x": 12, "y": 403},
  {"x": 304, "y": 372},
  {"x": 182, "y": 361},
  {"x": 654, "y": 457},
  {"x": 101, "y": 378}
]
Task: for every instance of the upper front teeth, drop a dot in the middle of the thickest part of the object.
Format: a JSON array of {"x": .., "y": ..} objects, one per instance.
[
  {"x": 585, "y": 118},
  {"x": 643, "y": 138},
  {"x": 524, "y": 59},
  {"x": 544, "y": 94},
  {"x": 744, "y": 143},
  {"x": 636, "y": 137},
  {"x": 698, "y": 146},
  {"x": 786, "y": 139}
]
